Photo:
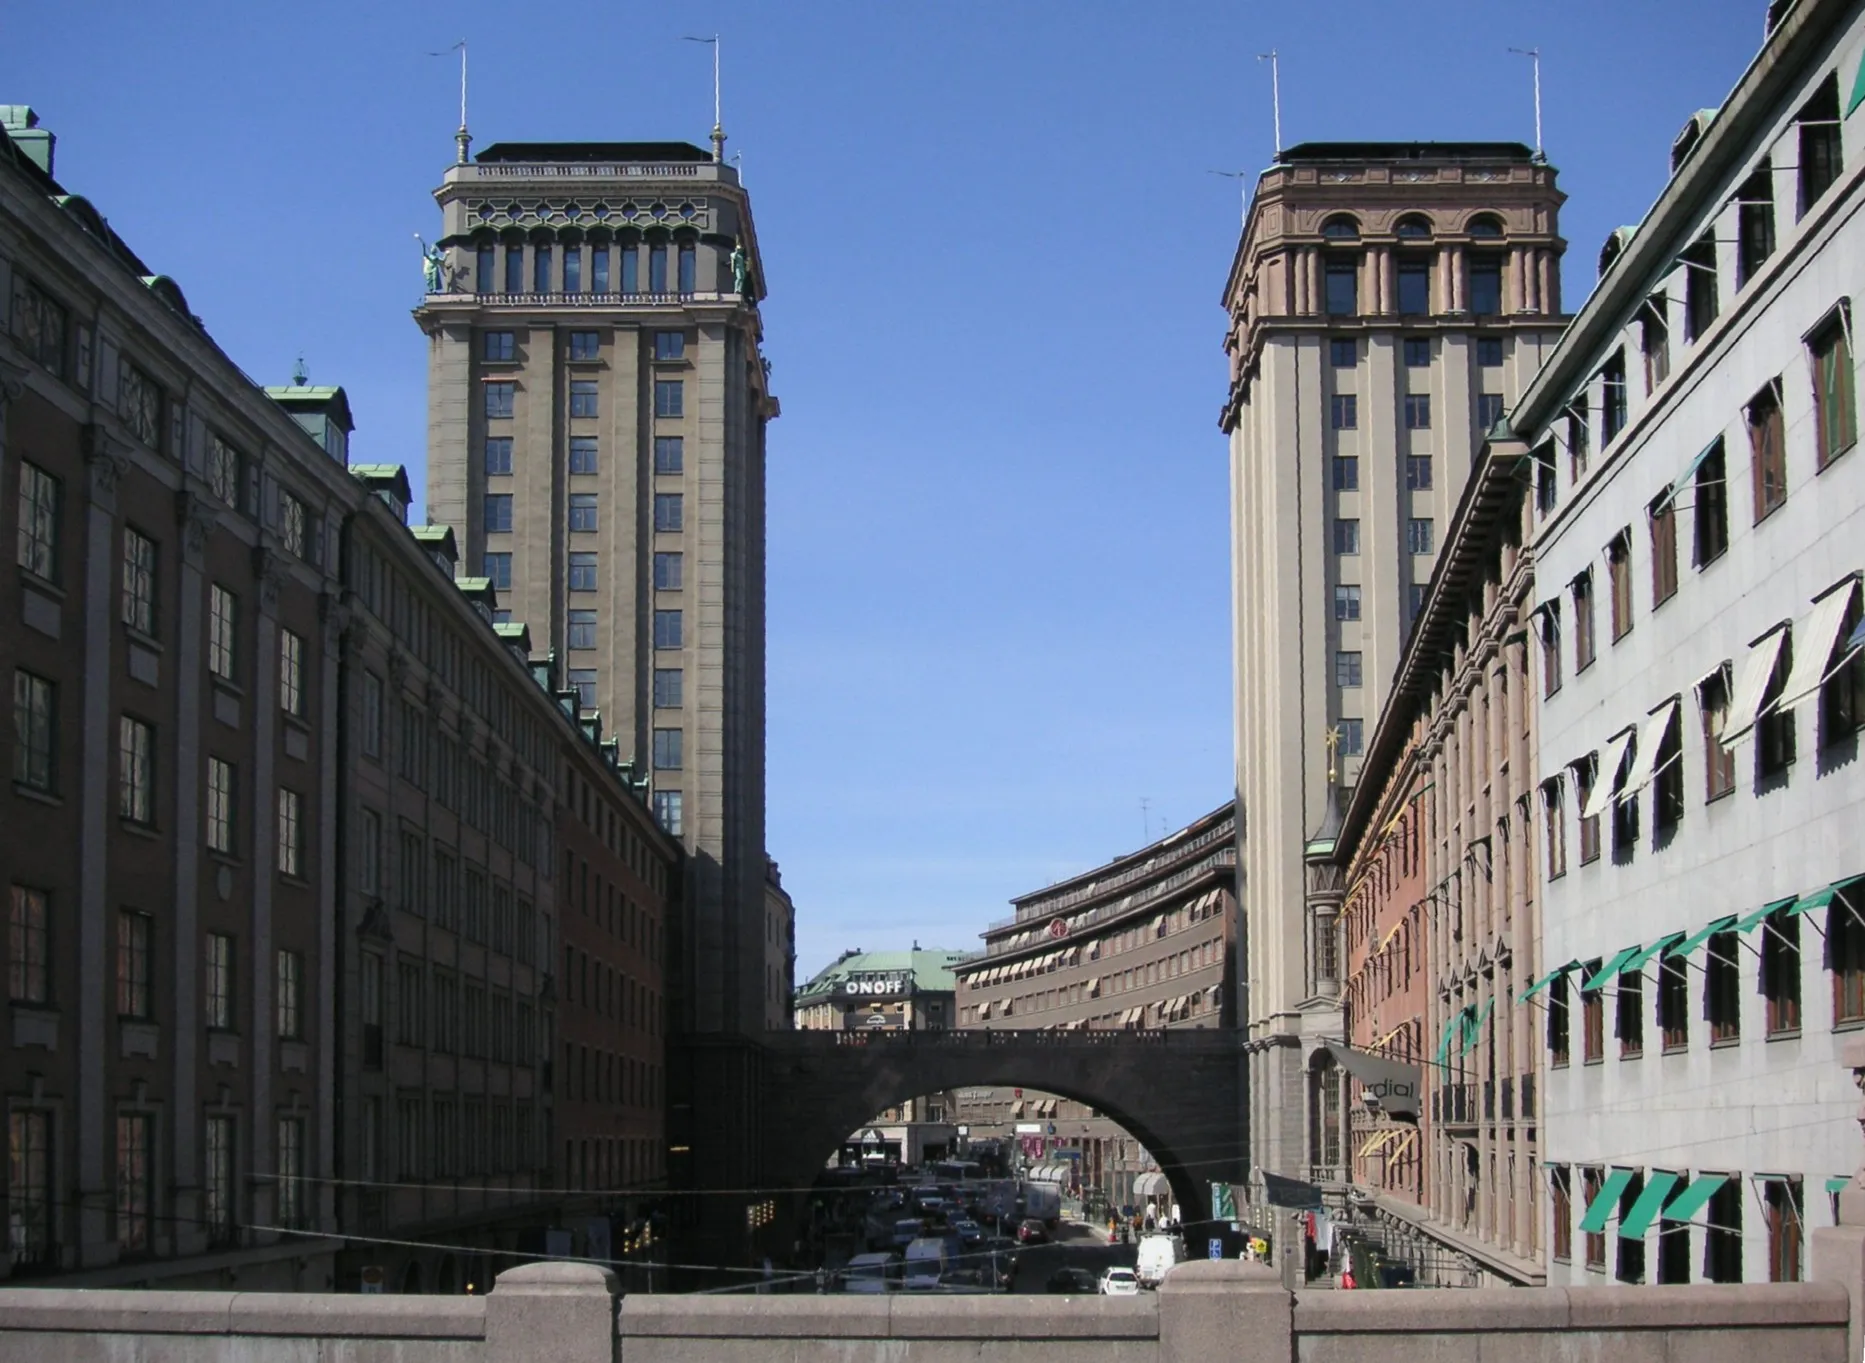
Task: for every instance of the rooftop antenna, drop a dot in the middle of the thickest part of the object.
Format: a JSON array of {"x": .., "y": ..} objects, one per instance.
[
  {"x": 1243, "y": 191},
  {"x": 1534, "y": 55},
  {"x": 718, "y": 125},
  {"x": 1146, "y": 822},
  {"x": 1275, "y": 89},
  {"x": 463, "y": 139}
]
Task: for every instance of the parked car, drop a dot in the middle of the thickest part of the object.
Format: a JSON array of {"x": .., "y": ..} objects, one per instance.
[
  {"x": 969, "y": 1232},
  {"x": 1120, "y": 1282},
  {"x": 1030, "y": 1231},
  {"x": 1072, "y": 1282}
]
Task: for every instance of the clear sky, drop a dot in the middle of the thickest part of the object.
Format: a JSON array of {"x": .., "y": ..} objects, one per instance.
[{"x": 999, "y": 610}]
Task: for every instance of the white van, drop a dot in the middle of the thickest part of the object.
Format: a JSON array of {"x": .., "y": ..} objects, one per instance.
[
  {"x": 870, "y": 1274},
  {"x": 1157, "y": 1255},
  {"x": 926, "y": 1264}
]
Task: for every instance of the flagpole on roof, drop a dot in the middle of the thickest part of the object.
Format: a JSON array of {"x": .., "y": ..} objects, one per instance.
[{"x": 1275, "y": 90}]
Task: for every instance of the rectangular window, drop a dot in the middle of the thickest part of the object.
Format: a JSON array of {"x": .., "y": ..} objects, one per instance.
[
  {"x": 1585, "y": 773},
  {"x": 1346, "y": 536},
  {"x": 1591, "y": 1181},
  {"x": 667, "y": 629},
  {"x": 1346, "y": 473},
  {"x": 583, "y": 401},
  {"x": 222, "y": 632},
  {"x": 599, "y": 269},
  {"x": 1781, "y": 1206},
  {"x": 1578, "y": 439},
  {"x": 135, "y": 1179},
  {"x": 226, "y": 470},
  {"x": 1418, "y": 411},
  {"x": 669, "y": 397},
  {"x": 667, "y": 811},
  {"x": 1345, "y": 409},
  {"x": 669, "y": 453},
  {"x": 135, "y": 937},
  {"x": 1673, "y": 1003},
  {"x": 1417, "y": 352},
  {"x": 1835, "y": 400},
  {"x": 668, "y": 684},
  {"x": 1550, "y": 648},
  {"x": 668, "y": 571},
  {"x": 1754, "y": 223},
  {"x": 582, "y": 454},
  {"x": 498, "y": 507},
  {"x": 290, "y": 833},
  {"x": 631, "y": 269},
  {"x": 1712, "y": 508},
  {"x": 1489, "y": 411},
  {"x": 1774, "y": 730},
  {"x": 1701, "y": 303},
  {"x": 1418, "y": 473},
  {"x": 1342, "y": 287},
  {"x": 583, "y": 682},
  {"x": 496, "y": 568},
  {"x": 669, "y": 511},
  {"x": 1718, "y": 761},
  {"x": 1561, "y": 1198},
  {"x": 1612, "y": 398},
  {"x": 1555, "y": 827},
  {"x": 40, "y": 325},
  {"x": 514, "y": 269},
  {"x": 1655, "y": 341},
  {"x": 1489, "y": 352},
  {"x": 1592, "y": 1019},
  {"x": 1845, "y": 950},
  {"x": 583, "y": 512},
  {"x": 1485, "y": 286},
  {"x": 217, "y": 981},
  {"x": 582, "y": 632},
  {"x": 293, "y": 524},
  {"x": 290, "y": 1207},
  {"x": 136, "y": 771},
  {"x": 1346, "y": 670},
  {"x": 291, "y": 673},
  {"x": 499, "y": 400},
  {"x": 1559, "y": 1043},
  {"x": 1583, "y": 621},
  {"x": 572, "y": 269},
  {"x": 1663, "y": 549},
  {"x": 1352, "y": 737},
  {"x": 540, "y": 269},
  {"x": 689, "y": 267},
  {"x": 141, "y": 405},
  {"x": 1767, "y": 440},
  {"x": 1780, "y": 972},
  {"x": 1842, "y": 695},
  {"x": 583, "y": 572},
  {"x": 218, "y": 1189},
  {"x": 1346, "y": 602},
  {"x": 138, "y": 581},
  {"x": 1619, "y": 581},
  {"x": 1820, "y": 159},
  {"x": 290, "y": 989},
  {"x": 499, "y": 456},
  {"x": 1343, "y": 352},
  {"x": 35, "y": 732},
  {"x": 1419, "y": 535},
  {"x": 371, "y": 706},
  {"x": 29, "y": 966},
  {"x": 669, "y": 345},
  {"x": 498, "y": 346},
  {"x": 1414, "y": 288},
  {"x": 220, "y": 780},
  {"x": 1722, "y": 1235},
  {"x": 668, "y": 749},
  {"x": 1722, "y": 992},
  {"x": 39, "y": 495}
]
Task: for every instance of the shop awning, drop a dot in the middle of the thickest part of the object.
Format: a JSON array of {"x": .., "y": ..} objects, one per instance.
[
  {"x": 1606, "y": 776},
  {"x": 1605, "y": 975},
  {"x": 1688, "y": 476},
  {"x": 1752, "y": 920},
  {"x": 1453, "y": 1031},
  {"x": 1377, "y": 1139},
  {"x": 984, "y": 1009},
  {"x": 1820, "y": 898},
  {"x": 1757, "y": 670},
  {"x": 1650, "y": 744},
  {"x": 1636, "y": 1222},
  {"x": 1641, "y": 958},
  {"x": 1692, "y": 1200},
  {"x": 1813, "y": 643},
  {"x": 1473, "y": 1030},
  {"x": 1545, "y": 981},
  {"x": 1699, "y": 937},
  {"x": 1834, "y": 1185},
  {"x": 1093, "y": 990},
  {"x": 1398, "y": 1147},
  {"x": 1604, "y": 1201},
  {"x": 1151, "y": 1185}
]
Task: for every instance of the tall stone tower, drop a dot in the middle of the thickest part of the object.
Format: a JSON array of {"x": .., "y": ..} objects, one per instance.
[
  {"x": 597, "y": 404},
  {"x": 1387, "y": 304}
]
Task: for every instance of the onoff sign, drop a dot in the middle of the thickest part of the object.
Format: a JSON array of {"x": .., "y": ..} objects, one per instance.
[{"x": 875, "y": 986}]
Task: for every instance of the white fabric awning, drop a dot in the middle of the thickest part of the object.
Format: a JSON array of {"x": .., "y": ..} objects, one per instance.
[
  {"x": 1650, "y": 743},
  {"x": 1606, "y": 778},
  {"x": 1813, "y": 643},
  {"x": 1150, "y": 1185},
  {"x": 1757, "y": 670}
]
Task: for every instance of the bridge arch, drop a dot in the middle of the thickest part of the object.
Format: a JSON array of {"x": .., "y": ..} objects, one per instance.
[{"x": 1178, "y": 1092}]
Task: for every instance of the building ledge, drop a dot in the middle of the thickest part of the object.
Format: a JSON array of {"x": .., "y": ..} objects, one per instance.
[{"x": 1524, "y": 1272}]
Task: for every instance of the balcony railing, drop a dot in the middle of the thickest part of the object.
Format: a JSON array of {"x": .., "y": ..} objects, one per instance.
[
  {"x": 1137, "y": 902},
  {"x": 586, "y": 300}
]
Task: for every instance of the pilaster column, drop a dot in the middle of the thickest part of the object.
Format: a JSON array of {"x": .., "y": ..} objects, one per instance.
[
  {"x": 268, "y": 577},
  {"x": 1457, "y": 280},
  {"x": 331, "y": 962},
  {"x": 104, "y": 465}
]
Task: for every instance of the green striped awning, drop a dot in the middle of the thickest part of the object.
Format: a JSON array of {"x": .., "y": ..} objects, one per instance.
[
  {"x": 1834, "y": 1185},
  {"x": 1858, "y": 90},
  {"x": 1699, "y": 937},
  {"x": 1604, "y": 1201},
  {"x": 1453, "y": 1031},
  {"x": 1643, "y": 956},
  {"x": 1545, "y": 981},
  {"x": 1607, "y": 972},
  {"x": 1748, "y": 922},
  {"x": 1636, "y": 1222},
  {"x": 1473, "y": 1029},
  {"x": 1691, "y": 1201},
  {"x": 1823, "y": 896}
]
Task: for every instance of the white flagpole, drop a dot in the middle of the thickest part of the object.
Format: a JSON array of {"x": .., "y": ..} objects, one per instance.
[
  {"x": 718, "y": 123},
  {"x": 1534, "y": 55},
  {"x": 1275, "y": 90}
]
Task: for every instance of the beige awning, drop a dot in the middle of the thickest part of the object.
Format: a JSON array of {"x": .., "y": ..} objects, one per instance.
[
  {"x": 1606, "y": 776},
  {"x": 1757, "y": 672},
  {"x": 1094, "y": 987},
  {"x": 1813, "y": 643},
  {"x": 1650, "y": 743}
]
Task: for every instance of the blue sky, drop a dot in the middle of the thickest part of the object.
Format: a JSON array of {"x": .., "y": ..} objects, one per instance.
[{"x": 999, "y": 568}]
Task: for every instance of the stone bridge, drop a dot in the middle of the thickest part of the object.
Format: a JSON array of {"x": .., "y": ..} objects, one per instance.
[{"x": 1179, "y": 1092}]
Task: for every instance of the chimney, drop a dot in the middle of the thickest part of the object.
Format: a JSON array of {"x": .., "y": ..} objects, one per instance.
[{"x": 22, "y": 128}]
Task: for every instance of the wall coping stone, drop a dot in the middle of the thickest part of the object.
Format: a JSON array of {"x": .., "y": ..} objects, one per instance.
[
  {"x": 556, "y": 1278},
  {"x": 1449, "y": 1311},
  {"x": 890, "y": 1316},
  {"x": 117, "y": 1311}
]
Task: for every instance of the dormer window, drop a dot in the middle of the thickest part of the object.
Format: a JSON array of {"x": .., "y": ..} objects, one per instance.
[
  {"x": 1341, "y": 227},
  {"x": 394, "y": 503}
]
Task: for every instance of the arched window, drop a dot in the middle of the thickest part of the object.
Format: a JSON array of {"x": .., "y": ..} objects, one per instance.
[
  {"x": 1485, "y": 227},
  {"x": 1413, "y": 228},
  {"x": 1341, "y": 227}
]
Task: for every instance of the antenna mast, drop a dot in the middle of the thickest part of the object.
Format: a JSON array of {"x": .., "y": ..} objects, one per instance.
[
  {"x": 1275, "y": 90},
  {"x": 718, "y": 124},
  {"x": 1534, "y": 55}
]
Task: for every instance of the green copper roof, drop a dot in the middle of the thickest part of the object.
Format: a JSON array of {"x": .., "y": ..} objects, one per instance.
[
  {"x": 931, "y": 971},
  {"x": 434, "y": 537},
  {"x": 473, "y": 586},
  {"x": 514, "y": 632}
]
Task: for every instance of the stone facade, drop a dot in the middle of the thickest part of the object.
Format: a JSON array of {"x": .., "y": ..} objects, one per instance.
[{"x": 1387, "y": 301}]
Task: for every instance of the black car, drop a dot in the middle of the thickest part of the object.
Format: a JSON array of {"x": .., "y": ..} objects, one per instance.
[{"x": 1073, "y": 1282}]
